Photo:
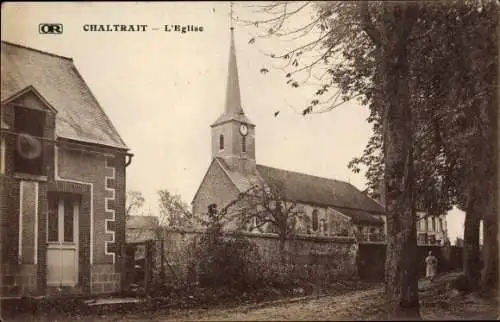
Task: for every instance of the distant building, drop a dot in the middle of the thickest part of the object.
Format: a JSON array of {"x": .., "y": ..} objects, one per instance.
[
  {"x": 431, "y": 230},
  {"x": 459, "y": 242},
  {"x": 141, "y": 228},
  {"x": 333, "y": 207},
  {"x": 62, "y": 180}
]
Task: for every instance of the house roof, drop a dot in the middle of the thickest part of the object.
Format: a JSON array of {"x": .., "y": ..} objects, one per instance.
[
  {"x": 312, "y": 190},
  {"x": 79, "y": 115},
  {"x": 139, "y": 222}
]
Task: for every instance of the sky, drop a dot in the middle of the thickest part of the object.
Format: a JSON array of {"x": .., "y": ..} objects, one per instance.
[{"x": 162, "y": 90}]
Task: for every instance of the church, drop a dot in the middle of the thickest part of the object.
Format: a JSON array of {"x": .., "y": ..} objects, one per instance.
[{"x": 330, "y": 207}]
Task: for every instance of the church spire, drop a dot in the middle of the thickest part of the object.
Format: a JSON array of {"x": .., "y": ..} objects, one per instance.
[{"x": 233, "y": 97}]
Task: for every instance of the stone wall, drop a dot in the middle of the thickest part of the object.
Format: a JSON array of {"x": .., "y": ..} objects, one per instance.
[{"x": 332, "y": 255}]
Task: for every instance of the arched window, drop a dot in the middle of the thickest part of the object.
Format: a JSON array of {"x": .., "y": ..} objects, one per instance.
[
  {"x": 315, "y": 220},
  {"x": 324, "y": 227},
  {"x": 221, "y": 142},
  {"x": 243, "y": 144}
]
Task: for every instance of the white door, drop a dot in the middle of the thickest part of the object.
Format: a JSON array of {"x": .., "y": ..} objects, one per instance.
[{"x": 62, "y": 239}]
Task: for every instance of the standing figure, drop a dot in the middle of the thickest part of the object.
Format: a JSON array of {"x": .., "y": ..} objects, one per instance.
[{"x": 431, "y": 266}]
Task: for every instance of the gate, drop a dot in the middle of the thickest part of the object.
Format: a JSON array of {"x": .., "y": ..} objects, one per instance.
[{"x": 138, "y": 267}]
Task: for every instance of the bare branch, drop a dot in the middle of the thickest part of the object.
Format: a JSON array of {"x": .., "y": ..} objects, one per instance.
[{"x": 283, "y": 16}]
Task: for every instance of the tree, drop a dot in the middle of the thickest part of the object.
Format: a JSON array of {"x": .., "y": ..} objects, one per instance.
[
  {"x": 134, "y": 202},
  {"x": 440, "y": 127},
  {"x": 453, "y": 100},
  {"x": 384, "y": 30},
  {"x": 173, "y": 211},
  {"x": 267, "y": 205}
]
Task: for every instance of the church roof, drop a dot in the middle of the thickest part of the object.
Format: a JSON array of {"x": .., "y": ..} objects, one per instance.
[
  {"x": 308, "y": 189},
  {"x": 232, "y": 117},
  {"x": 312, "y": 190},
  {"x": 79, "y": 115}
]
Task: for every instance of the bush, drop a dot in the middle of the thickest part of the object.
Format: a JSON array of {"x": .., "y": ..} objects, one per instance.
[{"x": 226, "y": 262}]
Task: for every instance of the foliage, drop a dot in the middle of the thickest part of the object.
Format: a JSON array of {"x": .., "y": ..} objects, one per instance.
[
  {"x": 452, "y": 56},
  {"x": 134, "y": 202},
  {"x": 267, "y": 205},
  {"x": 223, "y": 262},
  {"x": 227, "y": 262},
  {"x": 173, "y": 211},
  {"x": 444, "y": 39}
]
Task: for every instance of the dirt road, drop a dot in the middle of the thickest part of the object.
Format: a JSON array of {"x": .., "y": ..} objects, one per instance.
[
  {"x": 437, "y": 303},
  {"x": 354, "y": 305}
]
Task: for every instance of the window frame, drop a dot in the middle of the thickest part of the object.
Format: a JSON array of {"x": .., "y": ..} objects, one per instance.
[
  {"x": 315, "y": 219},
  {"x": 221, "y": 142},
  {"x": 23, "y": 165},
  {"x": 62, "y": 201},
  {"x": 243, "y": 144}
]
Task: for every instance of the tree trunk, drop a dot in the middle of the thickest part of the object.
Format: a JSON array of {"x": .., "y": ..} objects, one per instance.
[
  {"x": 489, "y": 280},
  {"x": 471, "y": 257},
  {"x": 282, "y": 248},
  {"x": 401, "y": 275}
]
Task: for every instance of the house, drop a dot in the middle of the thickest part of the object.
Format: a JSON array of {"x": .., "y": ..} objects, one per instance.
[
  {"x": 332, "y": 207},
  {"x": 141, "y": 228},
  {"x": 431, "y": 229},
  {"x": 62, "y": 180}
]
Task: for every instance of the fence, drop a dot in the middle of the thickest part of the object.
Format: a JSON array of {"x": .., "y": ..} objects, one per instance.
[{"x": 138, "y": 267}]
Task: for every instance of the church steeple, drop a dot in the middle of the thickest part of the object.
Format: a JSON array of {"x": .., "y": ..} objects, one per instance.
[
  {"x": 233, "y": 96},
  {"x": 233, "y": 134},
  {"x": 233, "y": 109}
]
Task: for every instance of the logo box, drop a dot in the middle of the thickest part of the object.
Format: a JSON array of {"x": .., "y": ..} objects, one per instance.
[{"x": 50, "y": 28}]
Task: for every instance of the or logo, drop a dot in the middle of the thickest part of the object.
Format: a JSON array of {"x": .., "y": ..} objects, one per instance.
[{"x": 50, "y": 28}]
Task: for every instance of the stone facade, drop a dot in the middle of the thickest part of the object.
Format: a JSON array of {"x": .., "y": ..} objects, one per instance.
[{"x": 216, "y": 187}]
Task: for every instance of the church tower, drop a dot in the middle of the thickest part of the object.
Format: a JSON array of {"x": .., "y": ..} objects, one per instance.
[{"x": 233, "y": 134}]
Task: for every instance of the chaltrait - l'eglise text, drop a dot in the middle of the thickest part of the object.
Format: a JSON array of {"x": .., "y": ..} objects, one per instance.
[{"x": 183, "y": 29}]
